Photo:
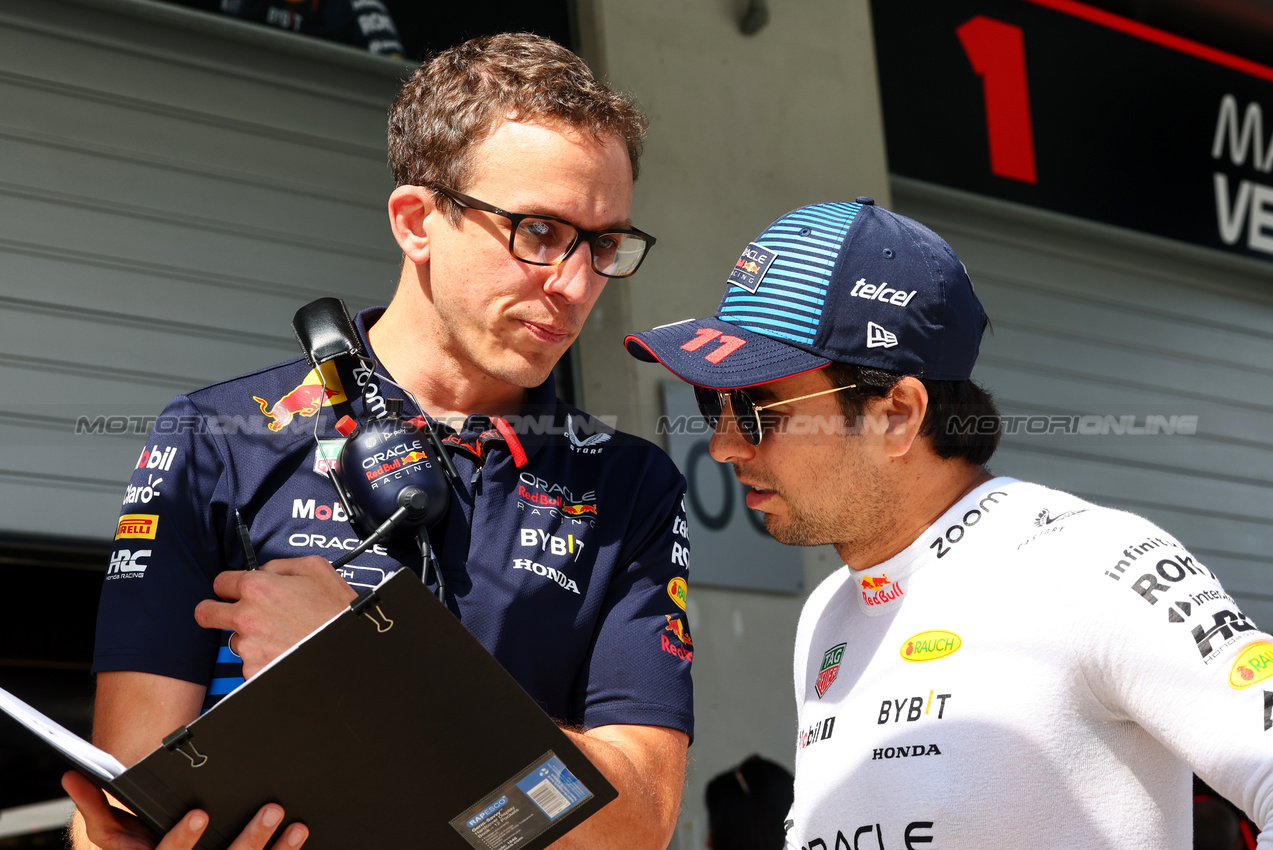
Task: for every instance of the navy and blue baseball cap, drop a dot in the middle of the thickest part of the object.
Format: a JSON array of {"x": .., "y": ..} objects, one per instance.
[{"x": 843, "y": 282}]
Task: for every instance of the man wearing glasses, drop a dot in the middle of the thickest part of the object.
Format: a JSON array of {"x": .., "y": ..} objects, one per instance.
[
  {"x": 998, "y": 664},
  {"x": 563, "y": 549}
]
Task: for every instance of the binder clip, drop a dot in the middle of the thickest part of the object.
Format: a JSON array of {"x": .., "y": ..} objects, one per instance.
[
  {"x": 365, "y": 604},
  {"x": 179, "y": 742}
]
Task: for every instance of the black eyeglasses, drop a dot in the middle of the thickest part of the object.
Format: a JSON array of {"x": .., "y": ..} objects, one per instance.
[
  {"x": 746, "y": 412},
  {"x": 543, "y": 240}
]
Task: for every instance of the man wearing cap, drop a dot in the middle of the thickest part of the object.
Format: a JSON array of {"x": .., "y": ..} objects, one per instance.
[{"x": 998, "y": 664}]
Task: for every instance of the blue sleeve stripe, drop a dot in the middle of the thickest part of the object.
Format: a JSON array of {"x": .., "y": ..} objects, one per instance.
[
  {"x": 225, "y": 656},
  {"x": 217, "y": 687}
]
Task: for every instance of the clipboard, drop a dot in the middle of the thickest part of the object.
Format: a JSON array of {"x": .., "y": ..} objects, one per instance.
[{"x": 389, "y": 726}]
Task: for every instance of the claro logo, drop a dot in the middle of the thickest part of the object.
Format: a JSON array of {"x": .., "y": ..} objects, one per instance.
[{"x": 930, "y": 645}]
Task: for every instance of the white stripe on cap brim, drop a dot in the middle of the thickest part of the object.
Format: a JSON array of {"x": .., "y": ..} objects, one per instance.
[{"x": 716, "y": 354}]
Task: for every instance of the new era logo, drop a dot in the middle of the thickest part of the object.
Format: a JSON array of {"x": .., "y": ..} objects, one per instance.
[{"x": 877, "y": 337}]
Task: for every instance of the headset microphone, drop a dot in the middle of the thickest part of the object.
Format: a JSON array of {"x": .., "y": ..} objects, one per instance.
[
  {"x": 392, "y": 473},
  {"x": 386, "y": 476}
]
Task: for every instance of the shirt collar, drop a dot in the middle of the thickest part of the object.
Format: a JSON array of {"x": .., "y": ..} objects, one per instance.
[
  {"x": 540, "y": 400},
  {"x": 884, "y": 586}
]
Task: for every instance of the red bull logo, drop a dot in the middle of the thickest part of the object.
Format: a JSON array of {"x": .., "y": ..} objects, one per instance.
[
  {"x": 873, "y": 583},
  {"x": 676, "y": 625},
  {"x": 877, "y": 590},
  {"x": 749, "y": 266},
  {"x": 306, "y": 399},
  {"x": 579, "y": 510}
]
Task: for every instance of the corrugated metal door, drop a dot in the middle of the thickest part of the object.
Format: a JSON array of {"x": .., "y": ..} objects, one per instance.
[
  {"x": 172, "y": 187},
  {"x": 1136, "y": 372}
]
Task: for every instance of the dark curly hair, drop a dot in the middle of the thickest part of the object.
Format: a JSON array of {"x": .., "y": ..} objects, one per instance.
[{"x": 961, "y": 419}]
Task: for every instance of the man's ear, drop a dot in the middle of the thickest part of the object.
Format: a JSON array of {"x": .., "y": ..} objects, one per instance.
[
  {"x": 904, "y": 407},
  {"x": 409, "y": 213}
]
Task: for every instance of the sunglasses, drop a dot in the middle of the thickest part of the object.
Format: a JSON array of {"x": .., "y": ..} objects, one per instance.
[{"x": 747, "y": 416}]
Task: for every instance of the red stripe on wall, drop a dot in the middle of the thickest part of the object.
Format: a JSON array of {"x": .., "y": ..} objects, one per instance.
[{"x": 1157, "y": 36}]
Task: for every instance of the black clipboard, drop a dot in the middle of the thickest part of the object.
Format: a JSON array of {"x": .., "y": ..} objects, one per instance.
[{"x": 390, "y": 726}]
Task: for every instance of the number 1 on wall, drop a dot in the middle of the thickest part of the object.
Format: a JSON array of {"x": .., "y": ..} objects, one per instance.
[{"x": 996, "y": 51}]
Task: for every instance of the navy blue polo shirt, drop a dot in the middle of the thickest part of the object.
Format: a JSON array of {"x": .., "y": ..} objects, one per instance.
[{"x": 564, "y": 551}]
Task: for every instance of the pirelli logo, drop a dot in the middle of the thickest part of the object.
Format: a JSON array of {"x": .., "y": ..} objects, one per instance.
[{"x": 137, "y": 526}]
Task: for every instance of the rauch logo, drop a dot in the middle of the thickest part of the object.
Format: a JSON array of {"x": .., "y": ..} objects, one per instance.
[
  {"x": 1254, "y": 665},
  {"x": 930, "y": 645},
  {"x": 678, "y": 589}
]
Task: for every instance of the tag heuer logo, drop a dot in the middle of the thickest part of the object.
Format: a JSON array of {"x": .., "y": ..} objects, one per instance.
[
  {"x": 877, "y": 337},
  {"x": 327, "y": 454},
  {"x": 830, "y": 669}
]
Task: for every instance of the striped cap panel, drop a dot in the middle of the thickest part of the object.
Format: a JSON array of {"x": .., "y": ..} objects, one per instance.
[{"x": 788, "y": 302}]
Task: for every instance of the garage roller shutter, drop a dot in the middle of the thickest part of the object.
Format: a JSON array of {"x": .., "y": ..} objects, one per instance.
[{"x": 173, "y": 185}]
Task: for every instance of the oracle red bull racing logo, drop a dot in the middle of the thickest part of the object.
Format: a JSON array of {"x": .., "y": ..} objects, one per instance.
[
  {"x": 544, "y": 500},
  {"x": 382, "y": 465},
  {"x": 751, "y": 266},
  {"x": 535, "y": 493},
  {"x": 305, "y": 400},
  {"x": 830, "y": 669}
]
